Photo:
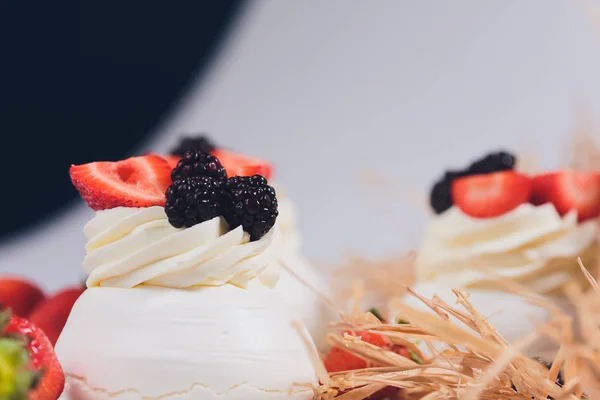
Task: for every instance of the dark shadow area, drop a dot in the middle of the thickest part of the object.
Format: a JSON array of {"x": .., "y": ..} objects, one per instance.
[{"x": 87, "y": 82}]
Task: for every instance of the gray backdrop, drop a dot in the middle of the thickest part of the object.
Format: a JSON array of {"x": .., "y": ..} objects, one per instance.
[{"x": 330, "y": 90}]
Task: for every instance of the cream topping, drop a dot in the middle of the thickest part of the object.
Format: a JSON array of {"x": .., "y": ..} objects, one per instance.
[
  {"x": 531, "y": 244},
  {"x": 132, "y": 246}
]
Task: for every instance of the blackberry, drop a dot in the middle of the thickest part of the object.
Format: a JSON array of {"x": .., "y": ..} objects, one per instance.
[
  {"x": 198, "y": 163},
  {"x": 251, "y": 203},
  {"x": 191, "y": 201},
  {"x": 441, "y": 197},
  {"x": 493, "y": 162},
  {"x": 193, "y": 143}
]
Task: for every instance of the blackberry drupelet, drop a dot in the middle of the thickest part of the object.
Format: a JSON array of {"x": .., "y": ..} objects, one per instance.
[
  {"x": 193, "y": 143},
  {"x": 198, "y": 163},
  {"x": 191, "y": 201},
  {"x": 441, "y": 198},
  {"x": 251, "y": 203}
]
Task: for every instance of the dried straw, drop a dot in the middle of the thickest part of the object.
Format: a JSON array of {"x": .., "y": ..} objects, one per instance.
[{"x": 477, "y": 362}]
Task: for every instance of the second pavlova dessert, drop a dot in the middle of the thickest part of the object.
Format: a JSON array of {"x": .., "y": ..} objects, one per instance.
[
  {"x": 493, "y": 221},
  {"x": 179, "y": 303}
]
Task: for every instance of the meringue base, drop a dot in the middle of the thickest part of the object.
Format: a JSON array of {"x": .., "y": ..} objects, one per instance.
[
  {"x": 302, "y": 288},
  {"x": 219, "y": 342}
]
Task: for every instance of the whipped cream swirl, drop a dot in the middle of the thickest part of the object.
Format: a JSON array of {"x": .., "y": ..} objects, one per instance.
[
  {"x": 133, "y": 246},
  {"x": 532, "y": 245}
]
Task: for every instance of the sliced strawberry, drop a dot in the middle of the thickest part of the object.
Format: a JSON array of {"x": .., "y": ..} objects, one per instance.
[
  {"x": 491, "y": 195},
  {"x": 42, "y": 358},
  {"x": 569, "y": 190},
  {"x": 238, "y": 164},
  {"x": 134, "y": 182},
  {"x": 51, "y": 315},
  {"x": 19, "y": 295}
]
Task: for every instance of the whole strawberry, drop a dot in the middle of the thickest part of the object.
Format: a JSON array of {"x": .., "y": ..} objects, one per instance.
[
  {"x": 29, "y": 369},
  {"x": 19, "y": 294},
  {"x": 51, "y": 315}
]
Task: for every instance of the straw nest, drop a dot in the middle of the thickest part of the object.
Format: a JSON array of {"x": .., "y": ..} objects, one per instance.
[{"x": 476, "y": 362}]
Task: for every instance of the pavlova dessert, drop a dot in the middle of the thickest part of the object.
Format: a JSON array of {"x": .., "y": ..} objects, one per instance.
[
  {"x": 494, "y": 224},
  {"x": 179, "y": 303},
  {"x": 300, "y": 285}
]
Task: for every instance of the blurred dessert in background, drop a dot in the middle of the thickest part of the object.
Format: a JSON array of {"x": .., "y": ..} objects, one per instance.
[
  {"x": 179, "y": 300},
  {"x": 19, "y": 294},
  {"x": 26, "y": 299},
  {"x": 300, "y": 285},
  {"x": 494, "y": 224}
]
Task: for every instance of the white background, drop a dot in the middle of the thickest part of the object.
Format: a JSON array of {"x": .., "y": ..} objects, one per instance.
[{"x": 329, "y": 90}]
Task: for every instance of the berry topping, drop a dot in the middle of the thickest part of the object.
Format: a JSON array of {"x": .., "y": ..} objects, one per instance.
[
  {"x": 441, "y": 198},
  {"x": 237, "y": 164},
  {"x": 569, "y": 190},
  {"x": 134, "y": 182},
  {"x": 251, "y": 203},
  {"x": 47, "y": 381},
  {"x": 191, "y": 201},
  {"x": 493, "y": 162},
  {"x": 491, "y": 195},
  {"x": 51, "y": 315},
  {"x": 196, "y": 163},
  {"x": 193, "y": 143},
  {"x": 19, "y": 295}
]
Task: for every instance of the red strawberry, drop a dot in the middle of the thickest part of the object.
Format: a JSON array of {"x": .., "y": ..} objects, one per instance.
[
  {"x": 338, "y": 359},
  {"x": 238, "y": 164},
  {"x": 373, "y": 338},
  {"x": 19, "y": 295},
  {"x": 134, "y": 182},
  {"x": 491, "y": 195},
  {"x": 51, "y": 315},
  {"x": 42, "y": 358},
  {"x": 569, "y": 190}
]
